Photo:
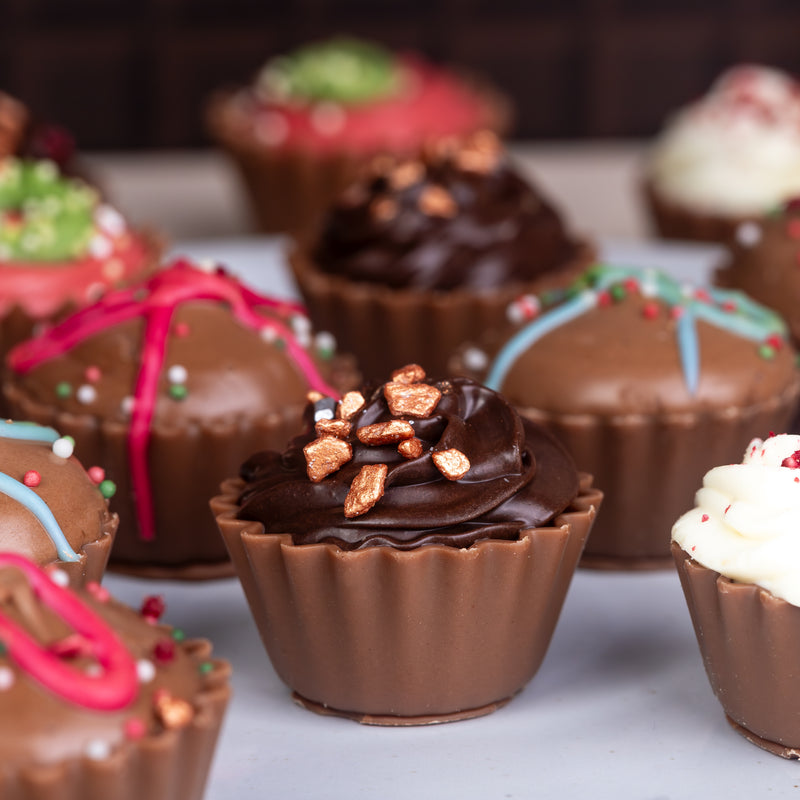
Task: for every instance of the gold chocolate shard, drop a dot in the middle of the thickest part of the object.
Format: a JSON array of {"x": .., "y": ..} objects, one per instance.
[
  {"x": 173, "y": 712},
  {"x": 383, "y": 209},
  {"x": 411, "y": 399},
  {"x": 410, "y": 448},
  {"x": 385, "y": 432},
  {"x": 349, "y": 405},
  {"x": 406, "y": 174},
  {"x": 325, "y": 455},
  {"x": 452, "y": 463},
  {"x": 410, "y": 373},
  {"x": 435, "y": 201},
  {"x": 365, "y": 490},
  {"x": 340, "y": 428},
  {"x": 314, "y": 397}
]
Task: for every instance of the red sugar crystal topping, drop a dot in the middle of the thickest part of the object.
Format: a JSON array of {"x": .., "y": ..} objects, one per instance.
[
  {"x": 164, "y": 651},
  {"x": 792, "y": 461},
  {"x": 153, "y": 607}
]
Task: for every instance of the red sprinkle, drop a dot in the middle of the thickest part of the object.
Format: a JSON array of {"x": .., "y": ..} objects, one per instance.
[
  {"x": 164, "y": 651},
  {"x": 704, "y": 518},
  {"x": 631, "y": 284},
  {"x": 727, "y": 509},
  {"x": 603, "y": 298},
  {"x": 793, "y": 228},
  {"x": 181, "y": 329},
  {"x": 97, "y": 591},
  {"x": 694, "y": 547},
  {"x": 92, "y": 374},
  {"x": 729, "y": 305},
  {"x": 31, "y": 478},
  {"x": 775, "y": 341},
  {"x": 650, "y": 310},
  {"x": 135, "y": 728},
  {"x": 97, "y": 474},
  {"x": 153, "y": 607},
  {"x": 702, "y": 294},
  {"x": 676, "y": 312}
]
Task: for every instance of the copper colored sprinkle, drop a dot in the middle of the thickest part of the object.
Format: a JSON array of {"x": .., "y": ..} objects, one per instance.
[
  {"x": 383, "y": 209},
  {"x": 340, "y": 428},
  {"x": 365, "y": 490},
  {"x": 410, "y": 373},
  {"x": 411, "y": 400},
  {"x": 480, "y": 154},
  {"x": 437, "y": 202},
  {"x": 325, "y": 455},
  {"x": 452, "y": 463},
  {"x": 314, "y": 397},
  {"x": 395, "y": 430},
  {"x": 349, "y": 405},
  {"x": 172, "y": 711},
  {"x": 410, "y": 448},
  {"x": 406, "y": 174}
]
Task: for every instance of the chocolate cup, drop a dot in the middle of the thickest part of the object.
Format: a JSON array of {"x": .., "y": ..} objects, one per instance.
[
  {"x": 290, "y": 189},
  {"x": 413, "y": 637},
  {"x": 673, "y": 221},
  {"x": 185, "y": 465},
  {"x": 94, "y": 555},
  {"x": 650, "y": 467},
  {"x": 170, "y": 765},
  {"x": 416, "y": 326},
  {"x": 750, "y": 643}
]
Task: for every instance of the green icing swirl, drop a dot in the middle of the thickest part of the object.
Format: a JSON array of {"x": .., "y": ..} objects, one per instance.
[
  {"x": 43, "y": 215},
  {"x": 340, "y": 70}
]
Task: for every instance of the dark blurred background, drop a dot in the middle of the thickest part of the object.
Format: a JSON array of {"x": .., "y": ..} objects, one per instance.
[{"x": 131, "y": 74}]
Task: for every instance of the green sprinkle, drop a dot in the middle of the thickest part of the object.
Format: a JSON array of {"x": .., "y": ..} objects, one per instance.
[
  {"x": 3, "y": 649},
  {"x": 280, "y": 343},
  {"x": 178, "y": 391},
  {"x": 63, "y": 390},
  {"x": 178, "y": 635},
  {"x": 766, "y": 351},
  {"x": 618, "y": 292},
  {"x": 107, "y": 488},
  {"x": 205, "y": 668}
]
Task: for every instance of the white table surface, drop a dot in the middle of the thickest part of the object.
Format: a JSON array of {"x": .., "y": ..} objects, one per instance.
[{"x": 621, "y": 707}]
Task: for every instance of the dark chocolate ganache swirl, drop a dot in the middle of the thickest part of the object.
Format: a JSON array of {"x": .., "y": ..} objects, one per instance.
[
  {"x": 458, "y": 218},
  {"x": 518, "y": 476}
]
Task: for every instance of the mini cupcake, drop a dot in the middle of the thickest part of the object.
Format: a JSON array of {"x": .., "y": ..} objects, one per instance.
[
  {"x": 170, "y": 385},
  {"x": 430, "y": 535},
  {"x": 764, "y": 260},
  {"x": 52, "y": 510},
  {"x": 313, "y": 116},
  {"x": 648, "y": 383},
  {"x": 60, "y": 247},
  {"x": 737, "y": 556},
  {"x": 729, "y": 157},
  {"x": 428, "y": 250},
  {"x": 99, "y": 701}
]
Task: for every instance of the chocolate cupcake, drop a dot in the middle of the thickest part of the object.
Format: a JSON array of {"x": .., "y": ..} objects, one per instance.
[
  {"x": 60, "y": 247},
  {"x": 99, "y": 701},
  {"x": 763, "y": 260},
  {"x": 427, "y": 251},
  {"x": 737, "y": 556},
  {"x": 312, "y": 117},
  {"x": 170, "y": 385},
  {"x": 432, "y": 535},
  {"x": 52, "y": 510},
  {"x": 648, "y": 383},
  {"x": 729, "y": 157}
]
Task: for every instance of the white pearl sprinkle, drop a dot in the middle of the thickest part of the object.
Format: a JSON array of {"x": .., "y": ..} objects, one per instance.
[
  {"x": 475, "y": 359},
  {"x": 97, "y": 750},
  {"x": 86, "y": 394},
  {"x": 268, "y": 334},
  {"x": 300, "y": 324},
  {"x": 328, "y": 118},
  {"x": 127, "y": 404},
  {"x": 207, "y": 265},
  {"x": 59, "y": 577},
  {"x": 325, "y": 341},
  {"x": 63, "y": 447},
  {"x": 177, "y": 374},
  {"x": 748, "y": 234},
  {"x": 100, "y": 246},
  {"x": 110, "y": 220},
  {"x": 272, "y": 129},
  {"x": 146, "y": 670},
  {"x": 6, "y": 678}
]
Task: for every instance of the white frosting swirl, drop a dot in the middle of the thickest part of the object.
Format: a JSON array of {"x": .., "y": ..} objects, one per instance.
[
  {"x": 735, "y": 151},
  {"x": 746, "y": 524}
]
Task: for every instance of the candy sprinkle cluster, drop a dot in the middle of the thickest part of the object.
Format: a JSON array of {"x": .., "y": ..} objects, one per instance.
[
  {"x": 603, "y": 285},
  {"x": 408, "y": 398}
]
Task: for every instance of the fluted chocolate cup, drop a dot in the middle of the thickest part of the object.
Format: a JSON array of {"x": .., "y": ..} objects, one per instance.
[
  {"x": 650, "y": 467},
  {"x": 750, "y": 645},
  {"x": 406, "y": 637}
]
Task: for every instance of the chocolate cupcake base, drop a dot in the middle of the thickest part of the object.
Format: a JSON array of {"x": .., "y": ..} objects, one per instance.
[
  {"x": 402, "y": 637},
  {"x": 750, "y": 646}
]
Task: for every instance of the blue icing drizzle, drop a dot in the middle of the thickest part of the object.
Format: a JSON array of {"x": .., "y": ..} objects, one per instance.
[
  {"x": 27, "y": 431},
  {"x": 729, "y": 310},
  {"x": 22, "y": 494}
]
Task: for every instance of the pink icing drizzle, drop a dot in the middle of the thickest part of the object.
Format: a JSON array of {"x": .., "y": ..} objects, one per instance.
[
  {"x": 156, "y": 301},
  {"x": 112, "y": 689}
]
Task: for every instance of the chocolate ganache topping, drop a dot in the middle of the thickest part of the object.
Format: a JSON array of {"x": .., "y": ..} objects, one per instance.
[
  {"x": 411, "y": 462},
  {"x": 459, "y": 217}
]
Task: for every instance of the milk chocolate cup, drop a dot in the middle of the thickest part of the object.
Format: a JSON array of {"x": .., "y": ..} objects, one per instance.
[
  {"x": 750, "y": 643},
  {"x": 415, "y": 325},
  {"x": 650, "y": 467},
  {"x": 185, "y": 464},
  {"x": 170, "y": 765},
  {"x": 289, "y": 189},
  {"x": 673, "y": 221},
  {"x": 391, "y": 637},
  {"x": 93, "y": 556}
]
